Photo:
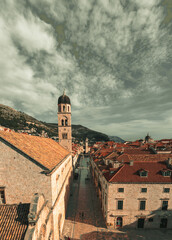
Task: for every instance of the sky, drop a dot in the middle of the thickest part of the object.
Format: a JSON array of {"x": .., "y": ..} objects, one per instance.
[{"x": 113, "y": 58}]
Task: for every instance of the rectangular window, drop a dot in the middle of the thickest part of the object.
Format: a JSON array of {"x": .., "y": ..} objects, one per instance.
[
  {"x": 143, "y": 189},
  {"x": 164, "y": 205},
  {"x": 120, "y": 204},
  {"x": 120, "y": 189},
  {"x": 142, "y": 205},
  {"x": 166, "y": 173},
  {"x": 64, "y": 135},
  {"x": 143, "y": 174},
  {"x": 167, "y": 190},
  {"x": 105, "y": 199},
  {"x": 150, "y": 220},
  {"x": 2, "y": 196}
]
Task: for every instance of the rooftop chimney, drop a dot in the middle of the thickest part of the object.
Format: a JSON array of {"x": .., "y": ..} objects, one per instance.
[
  {"x": 131, "y": 163},
  {"x": 116, "y": 164}
]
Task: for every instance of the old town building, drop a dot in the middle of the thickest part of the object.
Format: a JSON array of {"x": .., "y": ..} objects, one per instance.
[
  {"x": 36, "y": 174},
  {"x": 134, "y": 186}
]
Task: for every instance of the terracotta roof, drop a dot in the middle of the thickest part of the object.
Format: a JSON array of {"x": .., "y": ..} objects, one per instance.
[
  {"x": 137, "y": 151},
  {"x": 13, "y": 221},
  {"x": 130, "y": 174},
  {"x": 111, "y": 155},
  {"x": 45, "y": 151},
  {"x": 143, "y": 157}
]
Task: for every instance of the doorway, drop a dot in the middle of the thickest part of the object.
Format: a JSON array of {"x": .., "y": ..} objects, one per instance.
[
  {"x": 163, "y": 223},
  {"x": 141, "y": 222},
  {"x": 119, "y": 222}
]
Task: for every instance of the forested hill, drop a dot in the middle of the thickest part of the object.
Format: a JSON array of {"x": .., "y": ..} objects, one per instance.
[{"x": 22, "y": 122}]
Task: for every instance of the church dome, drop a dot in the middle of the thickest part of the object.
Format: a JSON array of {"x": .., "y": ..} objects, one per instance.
[{"x": 64, "y": 99}]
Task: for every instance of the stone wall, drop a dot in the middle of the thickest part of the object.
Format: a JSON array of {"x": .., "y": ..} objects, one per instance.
[
  {"x": 21, "y": 177},
  {"x": 131, "y": 197},
  {"x": 40, "y": 220},
  {"x": 60, "y": 204}
]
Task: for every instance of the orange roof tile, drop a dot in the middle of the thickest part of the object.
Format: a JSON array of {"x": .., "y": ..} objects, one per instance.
[
  {"x": 45, "y": 151},
  {"x": 13, "y": 221},
  {"x": 130, "y": 174}
]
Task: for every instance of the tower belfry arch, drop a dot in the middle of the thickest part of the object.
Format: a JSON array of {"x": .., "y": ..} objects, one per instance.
[{"x": 64, "y": 122}]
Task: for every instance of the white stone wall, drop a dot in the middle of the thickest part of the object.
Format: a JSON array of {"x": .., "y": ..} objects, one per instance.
[
  {"x": 132, "y": 196},
  {"x": 60, "y": 194},
  {"x": 58, "y": 177}
]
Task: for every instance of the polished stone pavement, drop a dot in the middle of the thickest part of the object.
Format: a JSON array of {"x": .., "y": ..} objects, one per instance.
[{"x": 84, "y": 219}]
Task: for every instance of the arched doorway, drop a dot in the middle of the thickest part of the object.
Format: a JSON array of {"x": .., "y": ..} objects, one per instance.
[{"x": 119, "y": 222}]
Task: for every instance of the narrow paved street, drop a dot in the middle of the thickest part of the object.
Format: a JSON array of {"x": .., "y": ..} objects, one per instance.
[
  {"x": 84, "y": 219},
  {"x": 84, "y": 212}
]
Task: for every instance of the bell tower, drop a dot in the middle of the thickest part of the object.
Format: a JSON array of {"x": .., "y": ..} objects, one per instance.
[{"x": 64, "y": 122}]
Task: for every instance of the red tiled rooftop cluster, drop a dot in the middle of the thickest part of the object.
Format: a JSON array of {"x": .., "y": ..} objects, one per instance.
[{"x": 143, "y": 157}]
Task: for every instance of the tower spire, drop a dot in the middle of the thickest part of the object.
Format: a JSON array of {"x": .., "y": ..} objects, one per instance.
[{"x": 64, "y": 91}]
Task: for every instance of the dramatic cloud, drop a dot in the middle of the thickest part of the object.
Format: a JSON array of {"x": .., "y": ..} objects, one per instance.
[{"x": 113, "y": 57}]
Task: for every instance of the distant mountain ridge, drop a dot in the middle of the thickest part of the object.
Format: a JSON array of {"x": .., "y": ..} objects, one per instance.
[
  {"x": 116, "y": 139},
  {"x": 22, "y": 122}
]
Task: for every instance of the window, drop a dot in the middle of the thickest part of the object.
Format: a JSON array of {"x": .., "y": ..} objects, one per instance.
[
  {"x": 167, "y": 190},
  {"x": 164, "y": 205},
  {"x": 105, "y": 199},
  {"x": 64, "y": 135},
  {"x": 2, "y": 195},
  {"x": 143, "y": 173},
  {"x": 66, "y": 122},
  {"x": 166, "y": 173},
  {"x": 62, "y": 122},
  {"x": 142, "y": 204},
  {"x": 120, "y": 204},
  {"x": 68, "y": 108},
  {"x": 63, "y": 108},
  {"x": 150, "y": 219},
  {"x": 120, "y": 189},
  {"x": 57, "y": 179},
  {"x": 59, "y": 108},
  {"x": 144, "y": 190}
]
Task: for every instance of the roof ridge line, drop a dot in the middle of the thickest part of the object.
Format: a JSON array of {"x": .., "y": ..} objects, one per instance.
[
  {"x": 116, "y": 173},
  {"x": 24, "y": 153}
]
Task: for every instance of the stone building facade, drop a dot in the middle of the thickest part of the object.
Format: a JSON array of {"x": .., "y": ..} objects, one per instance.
[
  {"x": 30, "y": 165},
  {"x": 135, "y": 194}
]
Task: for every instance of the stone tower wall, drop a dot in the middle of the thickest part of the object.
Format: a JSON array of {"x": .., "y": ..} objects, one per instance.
[{"x": 64, "y": 126}]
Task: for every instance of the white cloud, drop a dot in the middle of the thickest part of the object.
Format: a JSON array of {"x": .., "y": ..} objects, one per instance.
[
  {"x": 34, "y": 35},
  {"x": 110, "y": 54}
]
